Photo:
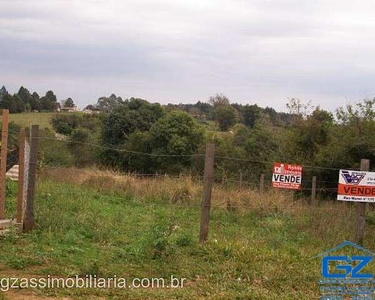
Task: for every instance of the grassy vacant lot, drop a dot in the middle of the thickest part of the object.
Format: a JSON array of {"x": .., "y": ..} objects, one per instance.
[
  {"x": 27, "y": 119},
  {"x": 93, "y": 222}
]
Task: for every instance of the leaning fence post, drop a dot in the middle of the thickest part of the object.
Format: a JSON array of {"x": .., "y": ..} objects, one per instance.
[
  {"x": 29, "y": 215},
  {"x": 21, "y": 175},
  {"x": 361, "y": 209},
  {"x": 261, "y": 183},
  {"x": 313, "y": 191},
  {"x": 3, "y": 164},
  {"x": 206, "y": 197}
]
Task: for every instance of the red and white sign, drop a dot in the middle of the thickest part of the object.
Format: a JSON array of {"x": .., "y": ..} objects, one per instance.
[
  {"x": 357, "y": 186},
  {"x": 287, "y": 176}
]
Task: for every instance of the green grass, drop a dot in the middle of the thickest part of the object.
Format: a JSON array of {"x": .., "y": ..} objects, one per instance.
[
  {"x": 249, "y": 255},
  {"x": 27, "y": 119}
]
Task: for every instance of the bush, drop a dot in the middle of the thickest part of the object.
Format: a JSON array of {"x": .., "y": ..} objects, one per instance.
[
  {"x": 82, "y": 147},
  {"x": 65, "y": 123},
  {"x": 226, "y": 116},
  {"x": 54, "y": 152}
]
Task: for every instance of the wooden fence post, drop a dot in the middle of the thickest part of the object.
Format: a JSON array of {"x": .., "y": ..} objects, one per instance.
[
  {"x": 361, "y": 209},
  {"x": 21, "y": 175},
  {"x": 261, "y": 183},
  {"x": 29, "y": 215},
  {"x": 240, "y": 179},
  {"x": 313, "y": 191},
  {"x": 206, "y": 197},
  {"x": 3, "y": 164}
]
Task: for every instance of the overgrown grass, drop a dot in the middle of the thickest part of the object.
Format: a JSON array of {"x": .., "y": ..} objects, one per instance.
[{"x": 105, "y": 224}]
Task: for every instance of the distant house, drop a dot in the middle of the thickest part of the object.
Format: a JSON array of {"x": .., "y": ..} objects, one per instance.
[
  {"x": 91, "y": 109},
  {"x": 68, "y": 105},
  {"x": 69, "y": 109}
]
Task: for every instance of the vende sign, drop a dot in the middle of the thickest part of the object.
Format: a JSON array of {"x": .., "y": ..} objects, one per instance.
[
  {"x": 287, "y": 176},
  {"x": 358, "y": 186}
]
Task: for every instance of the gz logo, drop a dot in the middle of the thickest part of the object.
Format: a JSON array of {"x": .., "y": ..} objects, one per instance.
[
  {"x": 344, "y": 276},
  {"x": 353, "y": 178},
  {"x": 348, "y": 267}
]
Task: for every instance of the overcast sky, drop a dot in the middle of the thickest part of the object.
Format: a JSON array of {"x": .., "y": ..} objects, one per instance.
[{"x": 175, "y": 51}]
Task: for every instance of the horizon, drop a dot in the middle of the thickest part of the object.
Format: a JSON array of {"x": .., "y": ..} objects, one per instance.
[{"x": 284, "y": 110}]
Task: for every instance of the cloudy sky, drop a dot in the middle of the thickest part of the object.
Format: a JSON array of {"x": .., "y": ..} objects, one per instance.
[{"x": 256, "y": 51}]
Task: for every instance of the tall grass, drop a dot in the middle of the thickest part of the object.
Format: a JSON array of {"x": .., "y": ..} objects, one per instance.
[
  {"x": 329, "y": 220},
  {"x": 261, "y": 246}
]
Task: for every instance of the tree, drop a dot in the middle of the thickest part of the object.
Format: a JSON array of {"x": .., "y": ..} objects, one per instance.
[
  {"x": 196, "y": 112},
  {"x": 3, "y": 92},
  {"x": 226, "y": 116},
  {"x": 24, "y": 95},
  {"x": 69, "y": 103},
  {"x": 228, "y": 145},
  {"x": 48, "y": 102},
  {"x": 13, "y": 103},
  {"x": 107, "y": 104},
  {"x": 322, "y": 116},
  {"x": 250, "y": 114},
  {"x": 309, "y": 136},
  {"x": 275, "y": 117},
  {"x": 358, "y": 115},
  {"x": 261, "y": 145},
  {"x": 206, "y": 108},
  {"x": 120, "y": 125},
  {"x": 134, "y": 114},
  {"x": 35, "y": 102},
  {"x": 219, "y": 100},
  {"x": 298, "y": 108},
  {"x": 349, "y": 140},
  {"x": 177, "y": 133}
]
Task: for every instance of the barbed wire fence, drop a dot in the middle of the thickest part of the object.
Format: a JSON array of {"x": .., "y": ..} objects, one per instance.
[
  {"x": 243, "y": 180},
  {"x": 222, "y": 180},
  {"x": 244, "y": 177}
]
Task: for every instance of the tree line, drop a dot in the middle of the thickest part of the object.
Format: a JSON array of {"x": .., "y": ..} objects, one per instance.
[
  {"x": 26, "y": 101},
  {"x": 134, "y": 135},
  {"x": 248, "y": 138},
  {"x": 218, "y": 108}
]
